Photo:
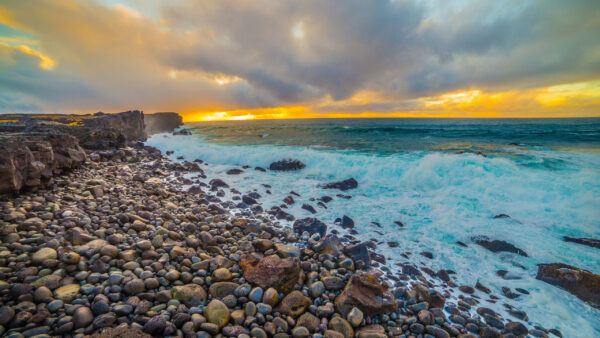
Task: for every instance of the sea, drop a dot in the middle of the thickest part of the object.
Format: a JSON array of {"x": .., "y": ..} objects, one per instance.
[{"x": 445, "y": 180}]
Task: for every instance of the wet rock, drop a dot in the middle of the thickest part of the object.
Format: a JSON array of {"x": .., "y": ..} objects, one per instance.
[
  {"x": 516, "y": 328},
  {"x": 344, "y": 185},
  {"x": 366, "y": 292},
  {"x": 287, "y": 165},
  {"x": 331, "y": 245},
  {"x": 498, "y": 246},
  {"x": 271, "y": 271},
  {"x": 359, "y": 253},
  {"x": 594, "y": 243},
  {"x": 581, "y": 283},
  {"x": 234, "y": 171},
  {"x": 218, "y": 183},
  {"x": 309, "y": 208},
  {"x": 311, "y": 225}
]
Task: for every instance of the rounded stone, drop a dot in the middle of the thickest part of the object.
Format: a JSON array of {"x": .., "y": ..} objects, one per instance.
[
  {"x": 342, "y": 326},
  {"x": 270, "y": 297},
  {"x": 42, "y": 255},
  {"x": 134, "y": 286},
  {"x": 82, "y": 317},
  {"x": 216, "y": 312},
  {"x": 42, "y": 294},
  {"x": 300, "y": 332},
  {"x": 221, "y": 275},
  {"x": 355, "y": 317}
]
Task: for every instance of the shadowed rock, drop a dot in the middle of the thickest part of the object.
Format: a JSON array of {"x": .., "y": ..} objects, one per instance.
[
  {"x": 366, "y": 292},
  {"x": 271, "y": 271}
]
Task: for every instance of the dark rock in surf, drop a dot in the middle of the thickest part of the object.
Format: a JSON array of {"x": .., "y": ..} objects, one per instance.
[
  {"x": 260, "y": 169},
  {"x": 500, "y": 216},
  {"x": 498, "y": 246},
  {"x": 594, "y": 243},
  {"x": 359, "y": 253},
  {"x": 309, "y": 208},
  {"x": 344, "y": 185},
  {"x": 289, "y": 200},
  {"x": 310, "y": 224},
  {"x": 287, "y": 165},
  {"x": 234, "y": 171},
  {"x": 218, "y": 183},
  {"x": 581, "y": 283}
]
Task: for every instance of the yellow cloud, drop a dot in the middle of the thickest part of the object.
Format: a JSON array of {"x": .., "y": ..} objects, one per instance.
[{"x": 46, "y": 62}]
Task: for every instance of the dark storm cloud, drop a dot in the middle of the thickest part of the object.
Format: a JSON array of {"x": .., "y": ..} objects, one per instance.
[{"x": 292, "y": 52}]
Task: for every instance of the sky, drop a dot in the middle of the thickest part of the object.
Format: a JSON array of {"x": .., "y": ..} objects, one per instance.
[{"x": 225, "y": 59}]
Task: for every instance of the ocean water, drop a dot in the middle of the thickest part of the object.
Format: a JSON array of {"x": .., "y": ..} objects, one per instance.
[{"x": 445, "y": 180}]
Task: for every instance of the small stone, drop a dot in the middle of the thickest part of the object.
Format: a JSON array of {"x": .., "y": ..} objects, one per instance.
[
  {"x": 300, "y": 332},
  {"x": 216, "y": 312},
  {"x": 6, "y": 315},
  {"x": 42, "y": 255},
  {"x": 342, "y": 326},
  {"x": 317, "y": 289},
  {"x": 67, "y": 293},
  {"x": 221, "y": 275},
  {"x": 42, "y": 294},
  {"x": 82, "y": 317},
  {"x": 256, "y": 295},
  {"x": 134, "y": 286},
  {"x": 270, "y": 297},
  {"x": 70, "y": 257},
  {"x": 355, "y": 317},
  {"x": 190, "y": 294}
]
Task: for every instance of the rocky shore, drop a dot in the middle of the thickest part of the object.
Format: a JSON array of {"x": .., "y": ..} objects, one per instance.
[{"x": 130, "y": 244}]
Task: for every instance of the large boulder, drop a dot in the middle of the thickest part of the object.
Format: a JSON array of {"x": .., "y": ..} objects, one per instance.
[
  {"x": 272, "y": 271},
  {"x": 368, "y": 293},
  {"x": 310, "y": 224},
  {"x": 287, "y": 165},
  {"x": 579, "y": 282}
]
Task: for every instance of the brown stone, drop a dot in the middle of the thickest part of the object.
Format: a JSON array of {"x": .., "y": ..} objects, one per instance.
[
  {"x": 366, "y": 292},
  {"x": 581, "y": 283},
  {"x": 272, "y": 271},
  {"x": 294, "y": 304}
]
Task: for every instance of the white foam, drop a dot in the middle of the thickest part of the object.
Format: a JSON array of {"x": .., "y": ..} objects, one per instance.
[{"x": 443, "y": 198}]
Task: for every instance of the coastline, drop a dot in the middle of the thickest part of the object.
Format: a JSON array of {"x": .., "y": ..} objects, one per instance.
[{"x": 123, "y": 244}]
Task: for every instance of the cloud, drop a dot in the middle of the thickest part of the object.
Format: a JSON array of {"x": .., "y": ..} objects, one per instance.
[{"x": 230, "y": 55}]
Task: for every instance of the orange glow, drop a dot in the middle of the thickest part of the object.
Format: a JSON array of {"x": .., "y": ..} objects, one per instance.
[{"x": 567, "y": 100}]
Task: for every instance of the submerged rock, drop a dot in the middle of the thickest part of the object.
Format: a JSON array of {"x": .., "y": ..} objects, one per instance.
[
  {"x": 287, "y": 165},
  {"x": 344, "y": 185},
  {"x": 498, "y": 246},
  {"x": 581, "y": 283},
  {"x": 594, "y": 243}
]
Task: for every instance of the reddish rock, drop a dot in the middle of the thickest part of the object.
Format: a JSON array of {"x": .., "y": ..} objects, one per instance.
[
  {"x": 581, "y": 283},
  {"x": 272, "y": 271},
  {"x": 366, "y": 292}
]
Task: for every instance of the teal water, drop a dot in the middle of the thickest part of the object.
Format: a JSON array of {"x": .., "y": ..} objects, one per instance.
[{"x": 445, "y": 180}]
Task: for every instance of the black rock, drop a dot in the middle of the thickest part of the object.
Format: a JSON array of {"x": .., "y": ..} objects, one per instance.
[
  {"x": 309, "y": 208},
  {"x": 347, "y": 222},
  {"x": 501, "y": 216},
  {"x": 260, "y": 169},
  {"x": 344, "y": 185},
  {"x": 248, "y": 200},
  {"x": 287, "y": 165},
  {"x": 310, "y": 224},
  {"x": 155, "y": 326},
  {"x": 359, "y": 253},
  {"x": 325, "y": 199},
  {"x": 218, "y": 183},
  {"x": 498, "y": 246},
  {"x": 234, "y": 171},
  {"x": 289, "y": 200}
]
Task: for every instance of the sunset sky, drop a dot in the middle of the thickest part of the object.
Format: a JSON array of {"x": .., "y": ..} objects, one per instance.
[{"x": 222, "y": 59}]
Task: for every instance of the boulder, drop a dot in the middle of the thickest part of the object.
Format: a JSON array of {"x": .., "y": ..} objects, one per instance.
[
  {"x": 359, "y": 253},
  {"x": 287, "y": 165},
  {"x": 366, "y": 292},
  {"x": 331, "y": 245},
  {"x": 271, "y": 271},
  {"x": 310, "y": 224},
  {"x": 581, "y": 283},
  {"x": 344, "y": 185}
]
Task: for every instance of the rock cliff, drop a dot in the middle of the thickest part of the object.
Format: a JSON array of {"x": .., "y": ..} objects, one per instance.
[{"x": 162, "y": 122}]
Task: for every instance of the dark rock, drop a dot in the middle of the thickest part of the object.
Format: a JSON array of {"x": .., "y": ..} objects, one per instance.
[
  {"x": 309, "y": 208},
  {"x": 359, "y": 253},
  {"x": 344, "y": 185},
  {"x": 287, "y": 165},
  {"x": 498, "y": 246},
  {"x": 501, "y": 216},
  {"x": 310, "y": 224},
  {"x": 331, "y": 245},
  {"x": 155, "y": 326},
  {"x": 218, "y": 183},
  {"x": 346, "y": 222},
  {"x": 289, "y": 200},
  {"x": 594, "y": 243},
  {"x": 234, "y": 171},
  {"x": 581, "y": 283}
]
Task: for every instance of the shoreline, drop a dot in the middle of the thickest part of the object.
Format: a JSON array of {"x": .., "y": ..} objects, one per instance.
[
  {"x": 103, "y": 234},
  {"x": 122, "y": 240}
]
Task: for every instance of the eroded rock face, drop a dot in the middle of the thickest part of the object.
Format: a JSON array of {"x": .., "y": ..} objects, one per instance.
[
  {"x": 366, "y": 292},
  {"x": 271, "y": 271},
  {"x": 28, "y": 160},
  {"x": 162, "y": 122},
  {"x": 581, "y": 283}
]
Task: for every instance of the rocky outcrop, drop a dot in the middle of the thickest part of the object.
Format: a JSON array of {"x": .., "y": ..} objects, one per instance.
[
  {"x": 579, "y": 282},
  {"x": 29, "y": 160},
  {"x": 162, "y": 122},
  {"x": 368, "y": 293},
  {"x": 594, "y": 243}
]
